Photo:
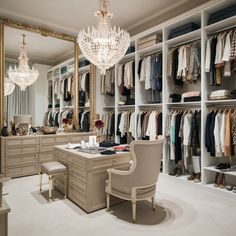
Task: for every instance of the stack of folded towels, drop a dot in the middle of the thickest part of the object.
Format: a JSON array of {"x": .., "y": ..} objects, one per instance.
[
  {"x": 220, "y": 94},
  {"x": 193, "y": 96}
]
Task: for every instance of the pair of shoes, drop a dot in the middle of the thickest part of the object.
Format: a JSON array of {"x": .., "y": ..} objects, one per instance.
[
  {"x": 177, "y": 171},
  {"x": 192, "y": 176},
  {"x": 174, "y": 171},
  {"x": 229, "y": 187},
  {"x": 197, "y": 178},
  {"x": 223, "y": 166},
  {"x": 220, "y": 180}
]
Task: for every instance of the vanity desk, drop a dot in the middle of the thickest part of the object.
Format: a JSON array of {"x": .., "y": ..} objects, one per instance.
[
  {"x": 87, "y": 175},
  {"x": 22, "y": 155}
]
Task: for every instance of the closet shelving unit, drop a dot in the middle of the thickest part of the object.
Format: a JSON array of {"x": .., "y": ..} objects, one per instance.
[
  {"x": 199, "y": 16},
  {"x": 68, "y": 63}
]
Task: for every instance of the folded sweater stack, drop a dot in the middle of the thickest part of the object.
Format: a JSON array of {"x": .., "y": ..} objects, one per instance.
[
  {"x": 193, "y": 96},
  {"x": 220, "y": 94}
]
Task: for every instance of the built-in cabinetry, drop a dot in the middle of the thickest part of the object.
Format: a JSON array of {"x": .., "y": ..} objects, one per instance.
[
  {"x": 199, "y": 16},
  {"x": 22, "y": 155},
  {"x": 87, "y": 175},
  {"x": 4, "y": 210}
]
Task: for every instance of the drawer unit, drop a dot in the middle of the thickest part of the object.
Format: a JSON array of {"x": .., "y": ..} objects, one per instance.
[
  {"x": 78, "y": 184},
  {"x": 78, "y": 172},
  {"x": 22, "y": 170},
  {"x": 46, "y": 148},
  {"x": 77, "y": 160},
  {"x": 55, "y": 140},
  {"x": 21, "y": 141},
  {"x": 44, "y": 157},
  {"x": 21, "y": 150},
  {"x": 21, "y": 159},
  {"x": 77, "y": 197},
  {"x": 100, "y": 163},
  {"x": 122, "y": 159}
]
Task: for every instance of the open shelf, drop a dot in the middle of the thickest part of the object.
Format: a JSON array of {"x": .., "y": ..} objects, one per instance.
[
  {"x": 194, "y": 35},
  {"x": 223, "y": 190},
  {"x": 183, "y": 104},
  {"x": 150, "y": 105},
  {"x": 126, "y": 106},
  {"x": 128, "y": 56},
  {"x": 84, "y": 68},
  {"x": 227, "y": 172},
  {"x": 221, "y": 25},
  {"x": 221, "y": 102},
  {"x": 152, "y": 49}
]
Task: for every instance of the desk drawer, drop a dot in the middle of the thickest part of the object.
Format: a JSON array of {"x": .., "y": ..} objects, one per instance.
[
  {"x": 22, "y": 170},
  {"x": 12, "y": 142},
  {"x": 61, "y": 157},
  {"x": 102, "y": 163},
  {"x": 77, "y": 184},
  {"x": 21, "y": 159},
  {"x": 122, "y": 159},
  {"x": 22, "y": 150},
  {"x": 78, "y": 172},
  {"x": 77, "y": 197},
  {"x": 77, "y": 160}
]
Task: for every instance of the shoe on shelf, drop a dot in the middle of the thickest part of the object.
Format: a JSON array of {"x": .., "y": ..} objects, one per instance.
[
  {"x": 217, "y": 180},
  {"x": 197, "y": 178},
  {"x": 223, "y": 166},
  {"x": 174, "y": 171},
  {"x": 234, "y": 189},
  {"x": 229, "y": 187},
  {"x": 222, "y": 180},
  {"x": 192, "y": 177}
]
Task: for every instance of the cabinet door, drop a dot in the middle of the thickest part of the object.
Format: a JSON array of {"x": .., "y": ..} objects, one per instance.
[
  {"x": 16, "y": 151},
  {"x": 23, "y": 170},
  {"x": 21, "y": 159}
]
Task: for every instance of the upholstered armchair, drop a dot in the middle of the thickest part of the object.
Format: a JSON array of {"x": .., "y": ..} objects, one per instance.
[{"x": 139, "y": 182}]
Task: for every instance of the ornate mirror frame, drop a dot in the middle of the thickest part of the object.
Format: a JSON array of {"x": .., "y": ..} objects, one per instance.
[{"x": 45, "y": 32}]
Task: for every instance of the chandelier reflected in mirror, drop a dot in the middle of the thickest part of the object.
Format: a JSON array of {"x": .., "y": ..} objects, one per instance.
[
  {"x": 9, "y": 86},
  {"x": 104, "y": 45},
  {"x": 23, "y": 75}
]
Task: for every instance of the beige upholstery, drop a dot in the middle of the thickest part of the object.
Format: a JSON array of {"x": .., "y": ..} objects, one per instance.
[
  {"x": 139, "y": 182},
  {"x": 53, "y": 167}
]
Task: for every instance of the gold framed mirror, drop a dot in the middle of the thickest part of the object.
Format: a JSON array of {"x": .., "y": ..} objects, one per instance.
[{"x": 4, "y": 22}]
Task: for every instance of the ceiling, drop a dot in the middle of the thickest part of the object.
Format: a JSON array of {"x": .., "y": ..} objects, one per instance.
[{"x": 70, "y": 16}]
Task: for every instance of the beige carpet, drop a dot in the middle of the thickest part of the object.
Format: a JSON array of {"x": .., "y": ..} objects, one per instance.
[{"x": 182, "y": 210}]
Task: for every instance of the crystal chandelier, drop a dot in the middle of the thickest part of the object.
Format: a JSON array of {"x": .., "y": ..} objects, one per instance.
[
  {"x": 23, "y": 75},
  {"x": 9, "y": 86},
  {"x": 104, "y": 46}
]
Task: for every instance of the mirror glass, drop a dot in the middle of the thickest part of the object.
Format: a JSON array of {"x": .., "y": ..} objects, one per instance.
[{"x": 44, "y": 53}]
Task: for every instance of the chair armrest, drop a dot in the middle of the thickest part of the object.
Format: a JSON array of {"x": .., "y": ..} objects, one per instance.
[{"x": 120, "y": 172}]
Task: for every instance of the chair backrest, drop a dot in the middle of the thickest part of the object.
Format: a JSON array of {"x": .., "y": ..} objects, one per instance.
[{"x": 147, "y": 161}]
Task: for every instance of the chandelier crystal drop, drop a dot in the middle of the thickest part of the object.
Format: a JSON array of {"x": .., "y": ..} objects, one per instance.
[
  {"x": 104, "y": 45},
  {"x": 23, "y": 75},
  {"x": 9, "y": 86}
]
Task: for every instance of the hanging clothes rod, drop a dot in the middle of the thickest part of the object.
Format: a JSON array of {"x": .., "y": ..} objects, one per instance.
[
  {"x": 223, "y": 30},
  {"x": 220, "y": 106},
  {"x": 158, "y": 52},
  {"x": 186, "y": 42}
]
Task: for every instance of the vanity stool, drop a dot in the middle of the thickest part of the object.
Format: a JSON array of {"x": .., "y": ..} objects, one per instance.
[{"x": 52, "y": 169}]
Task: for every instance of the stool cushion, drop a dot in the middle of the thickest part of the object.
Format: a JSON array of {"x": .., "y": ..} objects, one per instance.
[{"x": 53, "y": 167}]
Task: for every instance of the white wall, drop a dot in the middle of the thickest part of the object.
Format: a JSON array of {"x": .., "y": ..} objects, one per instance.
[{"x": 38, "y": 96}]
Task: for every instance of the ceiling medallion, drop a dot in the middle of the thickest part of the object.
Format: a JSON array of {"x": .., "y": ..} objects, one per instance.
[
  {"x": 104, "y": 45},
  {"x": 23, "y": 75}
]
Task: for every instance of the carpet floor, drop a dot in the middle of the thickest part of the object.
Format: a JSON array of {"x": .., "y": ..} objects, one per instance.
[{"x": 181, "y": 210}]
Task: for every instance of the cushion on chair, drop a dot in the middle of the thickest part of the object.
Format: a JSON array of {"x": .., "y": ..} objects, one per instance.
[{"x": 53, "y": 167}]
